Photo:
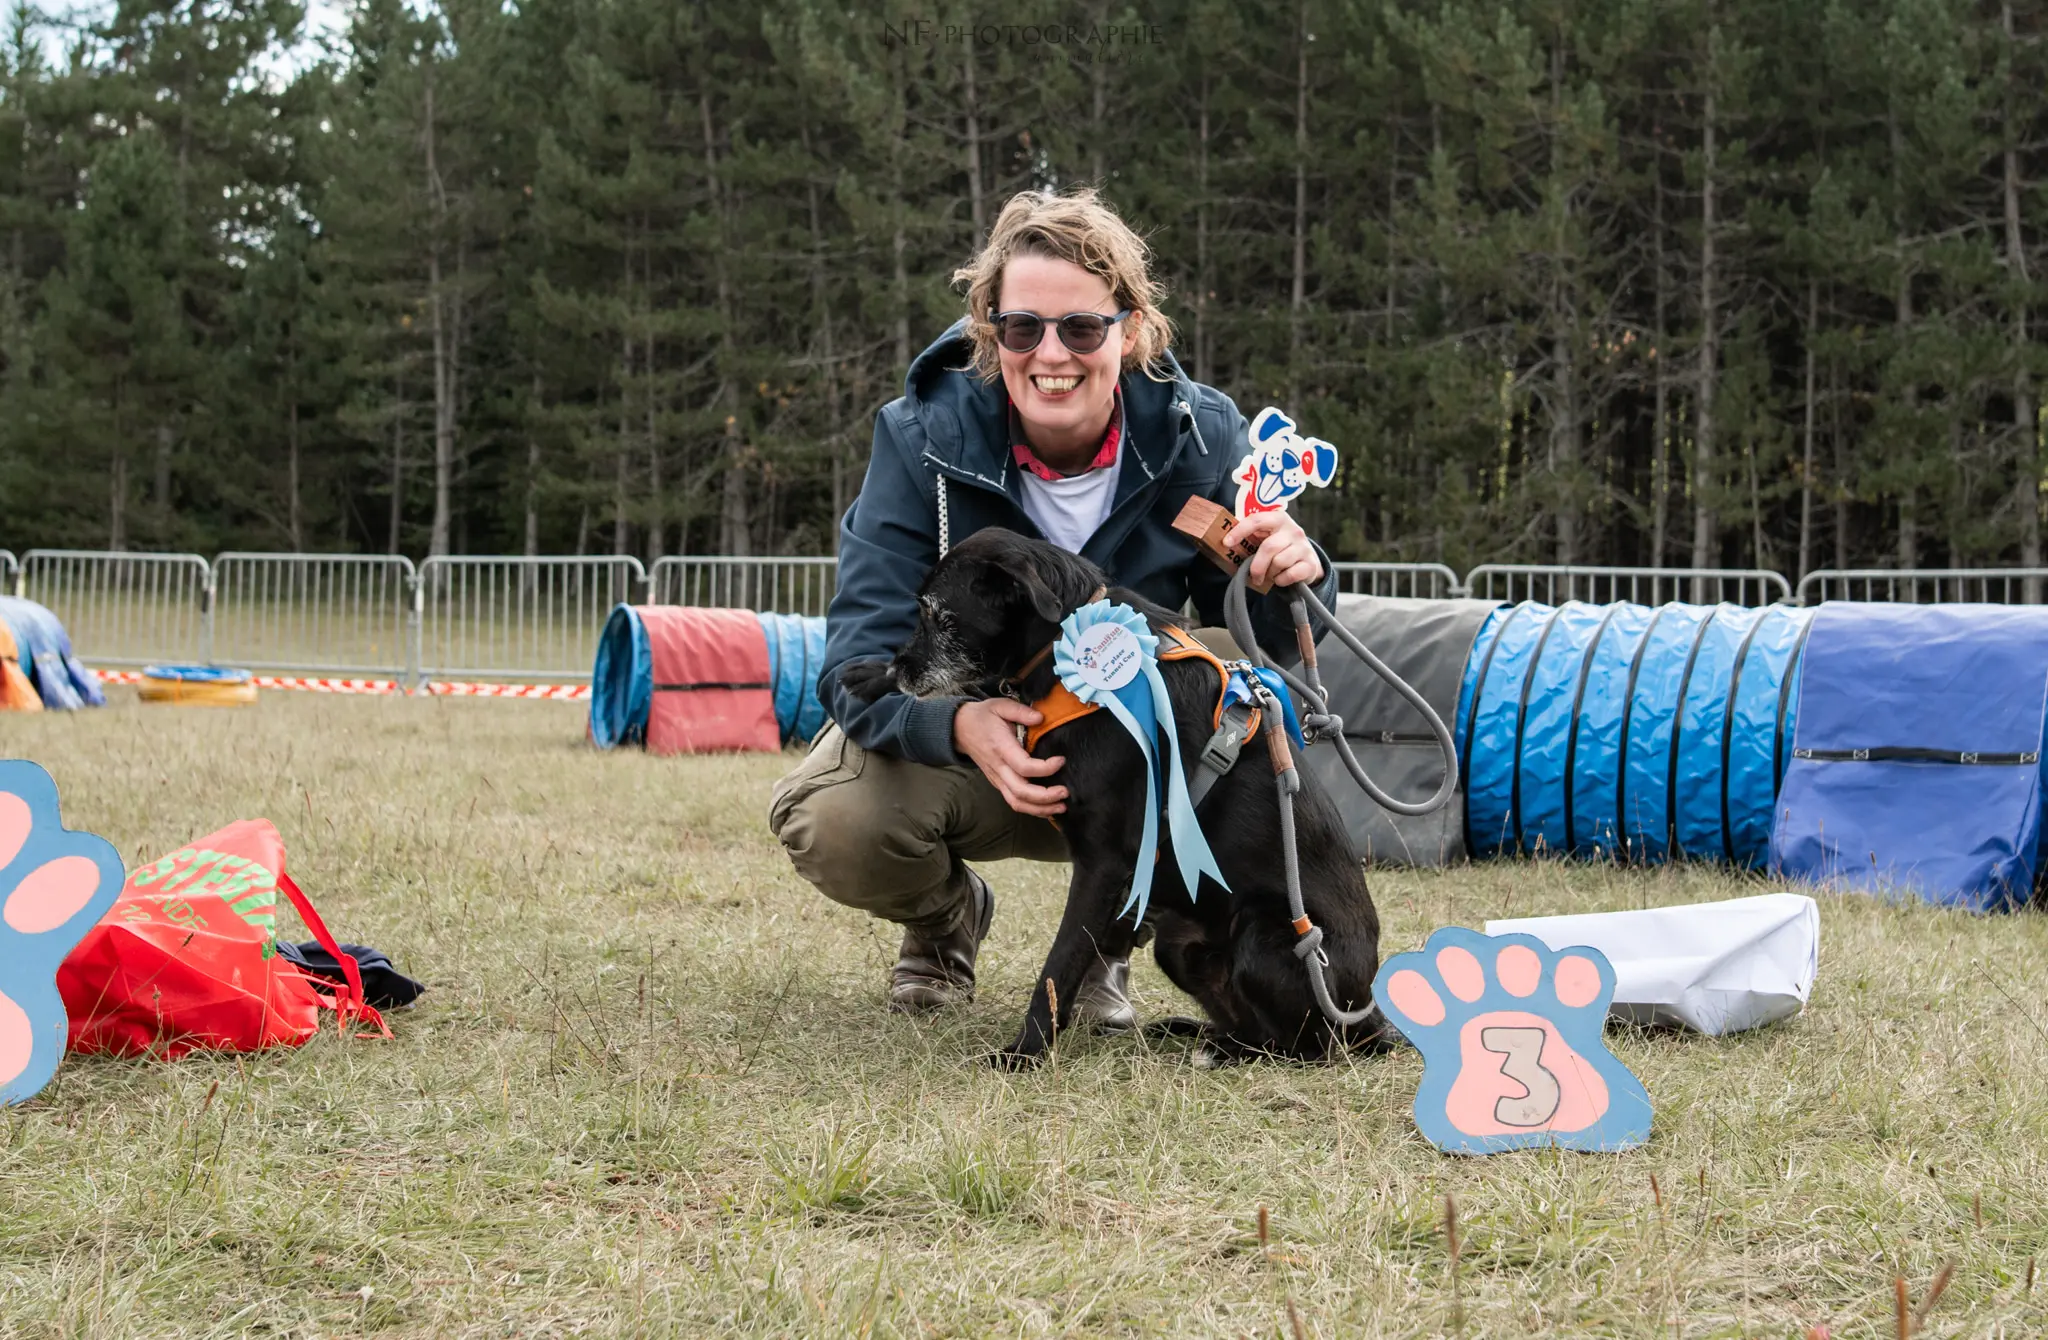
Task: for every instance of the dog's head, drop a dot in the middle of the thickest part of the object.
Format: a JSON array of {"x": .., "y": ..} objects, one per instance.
[{"x": 991, "y": 604}]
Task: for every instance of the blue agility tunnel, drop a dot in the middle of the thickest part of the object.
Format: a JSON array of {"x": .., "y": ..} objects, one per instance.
[
  {"x": 1628, "y": 731},
  {"x": 622, "y": 681},
  {"x": 1916, "y": 766},
  {"x": 796, "y": 648},
  {"x": 1891, "y": 748}
]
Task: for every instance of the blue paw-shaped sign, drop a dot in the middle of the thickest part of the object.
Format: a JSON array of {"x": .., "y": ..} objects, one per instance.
[
  {"x": 55, "y": 885},
  {"x": 1512, "y": 1053}
]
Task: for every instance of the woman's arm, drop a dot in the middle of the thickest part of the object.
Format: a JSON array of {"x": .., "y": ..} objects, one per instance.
[{"x": 888, "y": 541}]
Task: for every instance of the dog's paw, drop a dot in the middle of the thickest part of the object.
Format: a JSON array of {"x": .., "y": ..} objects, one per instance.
[
  {"x": 1011, "y": 1060},
  {"x": 1210, "y": 1056},
  {"x": 868, "y": 680},
  {"x": 55, "y": 886},
  {"x": 1510, "y": 1036}
]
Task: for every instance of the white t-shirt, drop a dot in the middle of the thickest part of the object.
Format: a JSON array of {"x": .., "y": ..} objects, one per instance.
[{"x": 1070, "y": 510}]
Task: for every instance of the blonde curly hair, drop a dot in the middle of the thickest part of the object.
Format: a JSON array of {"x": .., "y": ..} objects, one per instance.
[{"x": 1079, "y": 228}]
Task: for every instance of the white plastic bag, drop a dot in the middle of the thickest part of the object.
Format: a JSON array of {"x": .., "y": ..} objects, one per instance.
[{"x": 1716, "y": 967}]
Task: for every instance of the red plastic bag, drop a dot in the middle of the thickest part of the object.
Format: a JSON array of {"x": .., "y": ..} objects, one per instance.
[{"x": 187, "y": 958}]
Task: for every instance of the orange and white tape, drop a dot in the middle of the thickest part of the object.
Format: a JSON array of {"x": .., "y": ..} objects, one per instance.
[
  {"x": 565, "y": 692},
  {"x": 328, "y": 685},
  {"x": 437, "y": 687}
]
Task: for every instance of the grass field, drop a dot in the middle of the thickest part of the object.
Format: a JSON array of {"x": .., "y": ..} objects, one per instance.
[{"x": 653, "y": 1091}]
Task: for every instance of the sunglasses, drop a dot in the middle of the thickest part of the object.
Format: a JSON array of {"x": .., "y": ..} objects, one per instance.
[{"x": 1081, "y": 332}]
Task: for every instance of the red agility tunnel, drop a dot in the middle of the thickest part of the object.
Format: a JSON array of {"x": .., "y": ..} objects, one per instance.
[
  {"x": 712, "y": 689},
  {"x": 685, "y": 680}
]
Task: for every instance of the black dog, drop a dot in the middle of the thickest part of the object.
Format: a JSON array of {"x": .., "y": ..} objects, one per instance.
[{"x": 991, "y": 606}]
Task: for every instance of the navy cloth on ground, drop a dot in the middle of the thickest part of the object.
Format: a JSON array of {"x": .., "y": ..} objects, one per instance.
[
  {"x": 1648, "y": 732},
  {"x": 383, "y": 985},
  {"x": 1916, "y": 763}
]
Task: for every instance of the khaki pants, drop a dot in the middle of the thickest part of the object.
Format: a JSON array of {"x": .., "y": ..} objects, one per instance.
[{"x": 890, "y": 837}]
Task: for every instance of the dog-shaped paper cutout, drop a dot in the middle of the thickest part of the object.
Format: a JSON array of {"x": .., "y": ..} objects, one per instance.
[
  {"x": 1513, "y": 1055},
  {"x": 1281, "y": 465},
  {"x": 55, "y": 885}
]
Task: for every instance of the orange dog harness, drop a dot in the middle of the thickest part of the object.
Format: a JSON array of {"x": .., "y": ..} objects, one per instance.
[{"x": 1060, "y": 706}]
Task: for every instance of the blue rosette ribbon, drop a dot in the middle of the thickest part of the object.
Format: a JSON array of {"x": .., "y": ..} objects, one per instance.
[{"x": 1107, "y": 655}]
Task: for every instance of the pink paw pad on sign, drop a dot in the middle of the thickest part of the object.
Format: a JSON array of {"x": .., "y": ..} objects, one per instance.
[
  {"x": 1511, "y": 1038},
  {"x": 55, "y": 885}
]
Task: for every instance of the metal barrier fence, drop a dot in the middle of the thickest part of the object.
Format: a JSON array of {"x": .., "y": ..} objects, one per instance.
[
  {"x": 125, "y": 609},
  {"x": 779, "y": 585},
  {"x": 1513, "y": 582},
  {"x": 495, "y": 617},
  {"x": 10, "y": 572},
  {"x": 348, "y": 613},
  {"x": 1430, "y": 581},
  {"x": 517, "y": 618},
  {"x": 1926, "y": 586}
]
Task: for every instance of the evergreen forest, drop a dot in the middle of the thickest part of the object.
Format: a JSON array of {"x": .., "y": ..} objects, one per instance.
[{"x": 1695, "y": 283}]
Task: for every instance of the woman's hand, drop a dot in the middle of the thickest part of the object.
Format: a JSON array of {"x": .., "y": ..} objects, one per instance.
[
  {"x": 1285, "y": 557},
  {"x": 986, "y": 731}
]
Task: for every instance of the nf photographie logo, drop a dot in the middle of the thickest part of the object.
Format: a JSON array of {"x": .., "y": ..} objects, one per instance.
[{"x": 1100, "y": 36}]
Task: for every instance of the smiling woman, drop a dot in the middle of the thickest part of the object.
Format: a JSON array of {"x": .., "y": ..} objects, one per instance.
[{"x": 1053, "y": 408}]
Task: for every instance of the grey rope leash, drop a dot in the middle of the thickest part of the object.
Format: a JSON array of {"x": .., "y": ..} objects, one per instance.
[
  {"x": 1319, "y": 723},
  {"x": 945, "y": 520}
]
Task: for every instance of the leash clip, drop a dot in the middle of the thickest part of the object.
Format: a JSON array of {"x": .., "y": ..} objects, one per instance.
[{"x": 1007, "y": 688}]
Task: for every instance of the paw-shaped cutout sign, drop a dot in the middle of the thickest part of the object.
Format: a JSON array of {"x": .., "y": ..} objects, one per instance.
[
  {"x": 1512, "y": 1053},
  {"x": 55, "y": 885}
]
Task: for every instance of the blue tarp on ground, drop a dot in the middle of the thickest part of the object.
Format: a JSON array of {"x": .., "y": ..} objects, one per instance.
[
  {"x": 1916, "y": 763},
  {"x": 1622, "y": 729},
  {"x": 60, "y": 679}
]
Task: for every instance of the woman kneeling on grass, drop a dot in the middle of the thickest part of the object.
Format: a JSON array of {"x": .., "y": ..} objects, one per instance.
[{"x": 1053, "y": 408}]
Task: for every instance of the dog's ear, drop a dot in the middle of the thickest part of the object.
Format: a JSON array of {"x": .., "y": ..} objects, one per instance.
[{"x": 1039, "y": 590}]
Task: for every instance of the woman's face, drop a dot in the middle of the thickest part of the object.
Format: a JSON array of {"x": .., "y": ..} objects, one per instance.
[{"x": 1060, "y": 393}]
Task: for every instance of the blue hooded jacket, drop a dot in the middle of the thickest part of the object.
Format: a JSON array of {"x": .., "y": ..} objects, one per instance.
[{"x": 1180, "y": 439}]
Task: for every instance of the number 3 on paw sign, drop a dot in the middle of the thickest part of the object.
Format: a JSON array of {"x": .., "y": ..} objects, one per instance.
[{"x": 1512, "y": 1052}]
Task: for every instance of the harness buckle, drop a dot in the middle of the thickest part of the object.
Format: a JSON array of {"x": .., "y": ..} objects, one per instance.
[{"x": 1220, "y": 754}]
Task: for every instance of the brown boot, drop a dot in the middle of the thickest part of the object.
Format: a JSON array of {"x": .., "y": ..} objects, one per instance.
[
  {"x": 935, "y": 971},
  {"x": 1102, "y": 1002}
]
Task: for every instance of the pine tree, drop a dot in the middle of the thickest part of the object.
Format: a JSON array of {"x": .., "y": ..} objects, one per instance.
[{"x": 120, "y": 352}]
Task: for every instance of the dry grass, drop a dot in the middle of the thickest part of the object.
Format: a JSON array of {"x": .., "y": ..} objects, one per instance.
[{"x": 653, "y": 1091}]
